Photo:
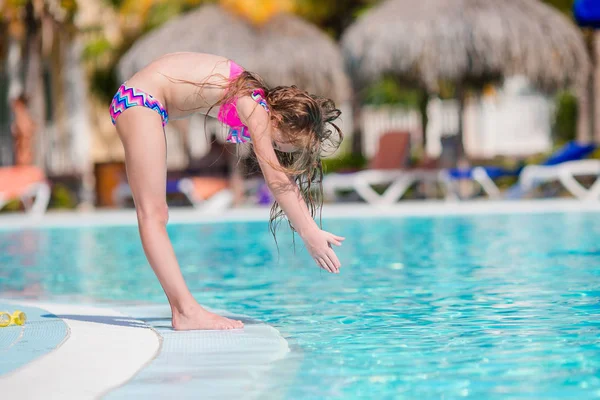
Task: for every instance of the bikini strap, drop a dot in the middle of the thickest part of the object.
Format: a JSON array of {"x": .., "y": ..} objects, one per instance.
[
  {"x": 258, "y": 95},
  {"x": 240, "y": 134}
]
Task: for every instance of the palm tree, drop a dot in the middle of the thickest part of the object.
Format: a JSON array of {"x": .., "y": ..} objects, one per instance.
[{"x": 42, "y": 52}]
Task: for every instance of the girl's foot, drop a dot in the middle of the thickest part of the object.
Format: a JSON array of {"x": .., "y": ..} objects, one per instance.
[{"x": 200, "y": 319}]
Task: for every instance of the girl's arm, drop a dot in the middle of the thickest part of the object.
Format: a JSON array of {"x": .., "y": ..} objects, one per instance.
[{"x": 285, "y": 190}]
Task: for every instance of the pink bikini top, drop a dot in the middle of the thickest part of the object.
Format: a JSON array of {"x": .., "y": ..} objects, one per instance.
[{"x": 238, "y": 132}]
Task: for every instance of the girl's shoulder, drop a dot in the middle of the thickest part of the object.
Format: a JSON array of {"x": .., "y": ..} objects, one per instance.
[
  {"x": 248, "y": 104},
  {"x": 252, "y": 113}
]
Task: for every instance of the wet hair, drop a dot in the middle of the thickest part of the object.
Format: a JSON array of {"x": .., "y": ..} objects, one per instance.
[{"x": 305, "y": 121}]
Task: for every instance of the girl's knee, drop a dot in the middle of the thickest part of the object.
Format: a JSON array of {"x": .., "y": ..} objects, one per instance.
[{"x": 153, "y": 213}]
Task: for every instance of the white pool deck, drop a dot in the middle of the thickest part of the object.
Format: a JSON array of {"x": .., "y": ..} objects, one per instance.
[
  {"x": 186, "y": 215},
  {"x": 111, "y": 352}
]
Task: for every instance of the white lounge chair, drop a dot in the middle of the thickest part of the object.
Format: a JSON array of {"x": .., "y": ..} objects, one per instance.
[
  {"x": 27, "y": 184},
  {"x": 204, "y": 193},
  {"x": 207, "y": 194},
  {"x": 572, "y": 154},
  {"x": 565, "y": 173},
  {"x": 388, "y": 167}
]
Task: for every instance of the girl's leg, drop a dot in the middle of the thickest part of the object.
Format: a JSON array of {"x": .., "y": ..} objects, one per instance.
[{"x": 141, "y": 132}]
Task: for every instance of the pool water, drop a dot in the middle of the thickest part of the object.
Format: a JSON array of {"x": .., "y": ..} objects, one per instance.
[{"x": 491, "y": 307}]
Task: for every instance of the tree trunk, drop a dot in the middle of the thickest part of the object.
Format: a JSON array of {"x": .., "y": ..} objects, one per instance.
[
  {"x": 595, "y": 128},
  {"x": 357, "y": 147},
  {"x": 465, "y": 186},
  {"x": 460, "y": 147},
  {"x": 59, "y": 145},
  {"x": 79, "y": 131},
  {"x": 586, "y": 99},
  {"x": 33, "y": 86},
  {"x": 14, "y": 67},
  {"x": 23, "y": 131},
  {"x": 424, "y": 120},
  {"x": 584, "y": 115}
]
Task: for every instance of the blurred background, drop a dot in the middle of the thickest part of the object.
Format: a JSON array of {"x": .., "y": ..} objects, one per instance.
[{"x": 440, "y": 98}]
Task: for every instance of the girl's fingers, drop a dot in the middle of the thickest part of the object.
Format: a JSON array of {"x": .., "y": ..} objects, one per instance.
[
  {"x": 338, "y": 263},
  {"x": 334, "y": 260},
  {"x": 330, "y": 265},
  {"x": 321, "y": 262},
  {"x": 333, "y": 240},
  {"x": 340, "y": 238}
]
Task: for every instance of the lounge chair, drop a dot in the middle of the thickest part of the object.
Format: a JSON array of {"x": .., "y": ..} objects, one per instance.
[
  {"x": 565, "y": 173},
  {"x": 556, "y": 167},
  {"x": 389, "y": 166},
  {"x": 27, "y": 184},
  {"x": 206, "y": 193}
]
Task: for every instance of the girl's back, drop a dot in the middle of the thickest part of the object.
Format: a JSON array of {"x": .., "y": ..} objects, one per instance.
[{"x": 185, "y": 82}]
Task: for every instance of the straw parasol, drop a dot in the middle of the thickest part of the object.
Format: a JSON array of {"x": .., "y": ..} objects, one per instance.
[
  {"x": 284, "y": 50},
  {"x": 466, "y": 41}
]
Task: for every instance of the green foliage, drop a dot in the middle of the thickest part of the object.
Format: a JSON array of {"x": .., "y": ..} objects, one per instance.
[
  {"x": 333, "y": 16},
  {"x": 389, "y": 91},
  {"x": 161, "y": 12},
  {"x": 115, "y": 3},
  {"x": 566, "y": 6},
  {"x": 62, "y": 197},
  {"x": 14, "y": 205},
  {"x": 565, "y": 122},
  {"x": 96, "y": 48},
  {"x": 104, "y": 83},
  {"x": 345, "y": 162}
]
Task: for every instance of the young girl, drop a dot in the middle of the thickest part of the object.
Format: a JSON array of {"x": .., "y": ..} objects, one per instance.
[{"x": 287, "y": 127}]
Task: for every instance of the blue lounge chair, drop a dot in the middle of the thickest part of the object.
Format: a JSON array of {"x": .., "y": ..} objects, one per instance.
[{"x": 566, "y": 157}]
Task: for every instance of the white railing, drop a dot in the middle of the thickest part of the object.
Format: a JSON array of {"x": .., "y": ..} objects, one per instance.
[
  {"x": 507, "y": 126},
  {"x": 377, "y": 120}
]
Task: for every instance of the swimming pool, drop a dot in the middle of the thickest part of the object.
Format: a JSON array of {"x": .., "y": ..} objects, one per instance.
[{"x": 486, "y": 306}]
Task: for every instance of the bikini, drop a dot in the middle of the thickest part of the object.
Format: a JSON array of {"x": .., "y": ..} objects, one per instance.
[{"x": 128, "y": 96}]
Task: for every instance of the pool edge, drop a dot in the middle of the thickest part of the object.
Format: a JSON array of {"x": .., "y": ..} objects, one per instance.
[{"x": 98, "y": 218}]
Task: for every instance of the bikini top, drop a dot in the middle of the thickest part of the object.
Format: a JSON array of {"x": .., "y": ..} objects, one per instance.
[{"x": 238, "y": 132}]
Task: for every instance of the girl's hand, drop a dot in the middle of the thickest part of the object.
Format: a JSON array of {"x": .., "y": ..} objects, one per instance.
[{"x": 318, "y": 243}]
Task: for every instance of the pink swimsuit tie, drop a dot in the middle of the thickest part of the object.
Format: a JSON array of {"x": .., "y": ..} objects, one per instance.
[{"x": 238, "y": 132}]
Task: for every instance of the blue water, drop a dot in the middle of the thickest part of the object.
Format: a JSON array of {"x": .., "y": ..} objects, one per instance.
[{"x": 490, "y": 307}]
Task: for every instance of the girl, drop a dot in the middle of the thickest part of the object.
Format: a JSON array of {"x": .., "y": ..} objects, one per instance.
[{"x": 287, "y": 127}]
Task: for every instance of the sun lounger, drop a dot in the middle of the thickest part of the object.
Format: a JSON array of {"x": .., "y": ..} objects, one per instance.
[{"x": 27, "y": 184}]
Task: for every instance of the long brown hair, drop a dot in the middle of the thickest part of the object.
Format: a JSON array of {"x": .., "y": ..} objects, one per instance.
[{"x": 305, "y": 121}]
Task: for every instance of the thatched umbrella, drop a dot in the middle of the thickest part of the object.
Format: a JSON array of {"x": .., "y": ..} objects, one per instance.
[
  {"x": 285, "y": 50},
  {"x": 466, "y": 41}
]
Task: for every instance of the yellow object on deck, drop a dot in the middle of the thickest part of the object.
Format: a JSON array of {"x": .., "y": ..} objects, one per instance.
[{"x": 17, "y": 318}]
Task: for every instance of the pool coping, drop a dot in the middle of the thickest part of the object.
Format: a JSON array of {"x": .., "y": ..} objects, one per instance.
[
  {"x": 102, "y": 373},
  {"x": 108, "y": 347},
  {"x": 127, "y": 217},
  {"x": 189, "y": 359}
]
